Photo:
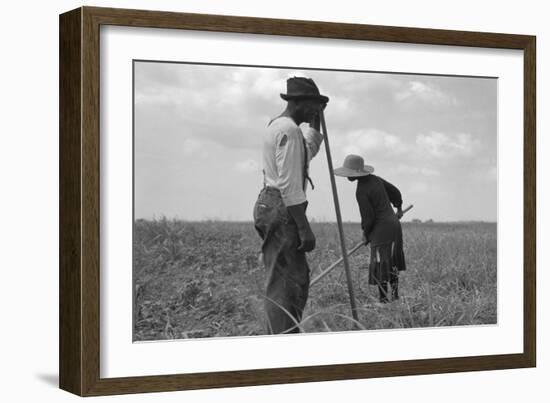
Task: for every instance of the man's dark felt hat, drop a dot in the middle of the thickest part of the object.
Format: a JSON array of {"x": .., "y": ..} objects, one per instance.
[{"x": 302, "y": 88}]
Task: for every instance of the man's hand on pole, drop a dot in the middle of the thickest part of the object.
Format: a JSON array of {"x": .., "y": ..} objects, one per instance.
[
  {"x": 307, "y": 238},
  {"x": 316, "y": 120}
]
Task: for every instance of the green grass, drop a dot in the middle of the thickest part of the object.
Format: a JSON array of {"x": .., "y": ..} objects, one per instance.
[{"x": 205, "y": 279}]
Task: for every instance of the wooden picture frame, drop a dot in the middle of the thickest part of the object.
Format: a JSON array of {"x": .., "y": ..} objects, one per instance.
[{"x": 79, "y": 280}]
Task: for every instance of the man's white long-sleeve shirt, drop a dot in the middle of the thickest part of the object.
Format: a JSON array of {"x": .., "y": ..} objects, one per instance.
[{"x": 284, "y": 157}]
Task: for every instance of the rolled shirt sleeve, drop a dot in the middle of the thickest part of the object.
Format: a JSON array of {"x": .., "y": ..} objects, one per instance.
[
  {"x": 289, "y": 159},
  {"x": 313, "y": 140}
]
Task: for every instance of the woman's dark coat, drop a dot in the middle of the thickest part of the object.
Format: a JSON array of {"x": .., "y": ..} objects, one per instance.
[
  {"x": 378, "y": 220},
  {"x": 381, "y": 226}
]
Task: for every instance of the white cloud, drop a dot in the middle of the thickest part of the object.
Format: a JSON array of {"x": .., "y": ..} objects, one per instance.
[
  {"x": 416, "y": 170},
  {"x": 418, "y": 187},
  {"x": 265, "y": 84},
  {"x": 441, "y": 145},
  {"x": 428, "y": 172},
  {"x": 370, "y": 141},
  {"x": 338, "y": 106},
  {"x": 417, "y": 90}
]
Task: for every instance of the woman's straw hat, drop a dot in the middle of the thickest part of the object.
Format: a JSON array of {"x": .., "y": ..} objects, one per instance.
[{"x": 354, "y": 166}]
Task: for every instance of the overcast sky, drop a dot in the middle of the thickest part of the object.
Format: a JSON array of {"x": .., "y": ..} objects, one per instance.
[{"x": 198, "y": 133}]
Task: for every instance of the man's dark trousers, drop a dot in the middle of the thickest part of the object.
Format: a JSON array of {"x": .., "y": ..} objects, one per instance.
[{"x": 286, "y": 268}]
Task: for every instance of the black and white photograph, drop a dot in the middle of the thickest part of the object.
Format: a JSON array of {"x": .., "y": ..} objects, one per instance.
[{"x": 250, "y": 182}]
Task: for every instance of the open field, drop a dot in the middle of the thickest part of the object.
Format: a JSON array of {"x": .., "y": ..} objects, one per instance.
[{"x": 204, "y": 279}]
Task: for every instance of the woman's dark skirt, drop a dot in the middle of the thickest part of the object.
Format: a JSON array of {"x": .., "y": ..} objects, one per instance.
[{"x": 386, "y": 261}]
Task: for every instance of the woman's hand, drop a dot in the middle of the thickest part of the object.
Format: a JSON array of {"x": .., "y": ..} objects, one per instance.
[
  {"x": 365, "y": 239},
  {"x": 399, "y": 212}
]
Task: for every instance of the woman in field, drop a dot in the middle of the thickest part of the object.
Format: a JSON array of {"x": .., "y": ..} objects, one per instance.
[{"x": 380, "y": 225}]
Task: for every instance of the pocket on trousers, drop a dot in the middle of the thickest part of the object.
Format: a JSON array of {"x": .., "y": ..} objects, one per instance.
[
  {"x": 262, "y": 215},
  {"x": 261, "y": 210}
]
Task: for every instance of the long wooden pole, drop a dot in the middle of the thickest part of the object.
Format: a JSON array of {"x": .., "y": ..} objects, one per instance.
[{"x": 339, "y": 220}]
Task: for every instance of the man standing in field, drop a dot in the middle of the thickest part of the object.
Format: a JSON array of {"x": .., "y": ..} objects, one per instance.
[{"x": 280, "y": 211}]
